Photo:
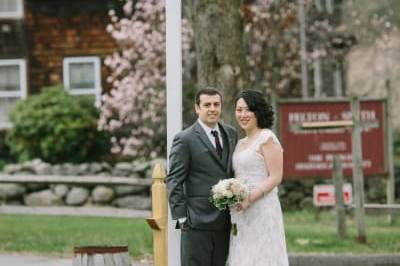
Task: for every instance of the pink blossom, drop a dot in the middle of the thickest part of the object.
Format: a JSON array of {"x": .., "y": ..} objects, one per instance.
[{"x": 134, "y": 110}]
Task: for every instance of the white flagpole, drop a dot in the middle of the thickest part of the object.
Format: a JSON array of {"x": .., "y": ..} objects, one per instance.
[{"x": 174, "y": 103}]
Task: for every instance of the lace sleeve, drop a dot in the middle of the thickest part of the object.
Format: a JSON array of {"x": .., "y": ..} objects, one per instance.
[{"x": 265, "y": 135}]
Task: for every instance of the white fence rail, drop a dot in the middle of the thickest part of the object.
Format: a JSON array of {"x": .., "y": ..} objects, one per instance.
[{"x": 391, "y": 209}]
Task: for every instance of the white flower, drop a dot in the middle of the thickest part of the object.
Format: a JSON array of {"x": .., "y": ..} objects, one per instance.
[{"x": 228, "y": 192}]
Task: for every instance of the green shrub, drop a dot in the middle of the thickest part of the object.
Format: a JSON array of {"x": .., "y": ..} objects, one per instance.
[
  {"x": 56, "y": 127},
  {"x": 4, "y": 149},
  {"x": 2, "y": 164}
]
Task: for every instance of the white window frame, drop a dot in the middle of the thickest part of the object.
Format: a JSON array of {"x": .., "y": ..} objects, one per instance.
[
  {"x": 22, "y": 92},
  {"x": 97, "y": 76},
  {"x": 22, "y": 78},
  {"x": 327, "y": 5},
  {"x": 19, "y": 13},
  {"x": 330, "y": 6}
]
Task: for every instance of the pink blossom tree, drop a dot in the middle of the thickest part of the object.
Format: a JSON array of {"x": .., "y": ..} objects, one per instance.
[{"x": 134, "y": 110}]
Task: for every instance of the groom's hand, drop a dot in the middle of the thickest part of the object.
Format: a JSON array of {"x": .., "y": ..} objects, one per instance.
[{"x": 183, "y": 223}]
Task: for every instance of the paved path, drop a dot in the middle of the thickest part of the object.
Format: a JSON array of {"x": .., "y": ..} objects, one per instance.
[
  {"x": 344, "y": 260},
  {"x": 295, "y": 260},
  {"x": 32, "y": 260}
]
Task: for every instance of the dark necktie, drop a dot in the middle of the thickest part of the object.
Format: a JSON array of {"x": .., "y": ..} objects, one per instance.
[{"x": 218, "y": 146}]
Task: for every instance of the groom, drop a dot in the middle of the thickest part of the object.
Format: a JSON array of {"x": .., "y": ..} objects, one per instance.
[{"x": 200, "y": 156}]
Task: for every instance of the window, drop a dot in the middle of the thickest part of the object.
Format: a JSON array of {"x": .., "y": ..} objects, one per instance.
[
  {"x": 328, "y": 78},
  {"x": 327, "y": 5},
  {"x": 12, "y": 87},
  {"x": 11, "y": 9},
  {"x": 82, "y": 76}
]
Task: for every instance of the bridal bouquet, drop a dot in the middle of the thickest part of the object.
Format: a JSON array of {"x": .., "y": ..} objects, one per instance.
[{"x": 228, "y": 192}]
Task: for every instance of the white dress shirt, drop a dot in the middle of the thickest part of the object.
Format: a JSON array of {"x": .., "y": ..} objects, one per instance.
[{"x": 210, "y": 136}]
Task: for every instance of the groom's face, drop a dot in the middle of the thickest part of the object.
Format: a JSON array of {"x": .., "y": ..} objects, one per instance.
[{"x": 209, "y": 109}]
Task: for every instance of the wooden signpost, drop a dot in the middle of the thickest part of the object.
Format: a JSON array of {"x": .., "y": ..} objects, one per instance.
[
  {"x": 357, "y": 169},
  {"x": 358, "y": 176},
  {"x": 339, "y": 201}
]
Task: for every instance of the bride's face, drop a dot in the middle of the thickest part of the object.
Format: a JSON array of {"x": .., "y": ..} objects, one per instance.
[{"x": 246, "y": 119}]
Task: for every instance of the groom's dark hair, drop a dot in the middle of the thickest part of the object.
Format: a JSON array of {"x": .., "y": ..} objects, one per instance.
[{"x": 207, "y": 90}]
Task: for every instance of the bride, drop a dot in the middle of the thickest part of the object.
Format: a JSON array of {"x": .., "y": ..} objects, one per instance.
[{"x": 258, "y": 238}]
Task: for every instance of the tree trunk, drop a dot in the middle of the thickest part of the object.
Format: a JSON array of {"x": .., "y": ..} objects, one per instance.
[{"x": 218, "y": 36}]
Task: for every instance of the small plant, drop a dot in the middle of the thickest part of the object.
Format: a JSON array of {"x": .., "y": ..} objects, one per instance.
[{"x": 56, "y": 127}]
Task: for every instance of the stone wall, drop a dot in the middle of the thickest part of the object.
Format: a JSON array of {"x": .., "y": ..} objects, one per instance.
[
  {"x": 293, "y": 194},
  {"x": 123, "y": 196}
]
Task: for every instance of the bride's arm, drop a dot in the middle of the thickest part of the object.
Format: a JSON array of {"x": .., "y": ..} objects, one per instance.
[{"x": 273, "y": 158}]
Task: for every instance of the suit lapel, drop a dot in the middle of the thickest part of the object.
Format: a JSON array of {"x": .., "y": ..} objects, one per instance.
[{"x": 206, "y": 141}]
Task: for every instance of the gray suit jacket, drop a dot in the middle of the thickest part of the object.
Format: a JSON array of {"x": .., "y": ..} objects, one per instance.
[{"x": 194, "y": 167}]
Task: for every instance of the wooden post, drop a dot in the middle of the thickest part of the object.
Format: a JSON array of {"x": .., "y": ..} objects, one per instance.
[
  {"x": 390, "y": 185},
  {"x": 358, "y": 178},
  {"x": 303, "y": 49},
  {"x": 159, "y": 220},
  {"x": 339, "y": 202}
]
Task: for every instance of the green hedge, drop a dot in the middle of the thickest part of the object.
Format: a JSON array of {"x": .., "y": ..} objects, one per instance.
[{"x": 57, "y": 127}]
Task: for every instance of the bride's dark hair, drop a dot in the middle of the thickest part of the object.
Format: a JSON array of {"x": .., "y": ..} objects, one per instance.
[{"x": 259, "y": 106}]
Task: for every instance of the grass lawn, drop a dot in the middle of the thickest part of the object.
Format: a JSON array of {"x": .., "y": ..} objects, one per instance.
[
  {"x": 58, "y": 235},
  {"x": 305, "y": 234}
]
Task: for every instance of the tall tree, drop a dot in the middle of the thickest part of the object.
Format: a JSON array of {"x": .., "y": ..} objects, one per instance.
[{"x": 218, "y": 34}]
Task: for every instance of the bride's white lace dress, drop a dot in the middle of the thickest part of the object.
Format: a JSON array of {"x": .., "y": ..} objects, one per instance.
[{"x": 260, "y": 239}]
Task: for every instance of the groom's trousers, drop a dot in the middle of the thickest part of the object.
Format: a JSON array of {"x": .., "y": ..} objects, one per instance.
[{"x": 203, "y": 247}]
